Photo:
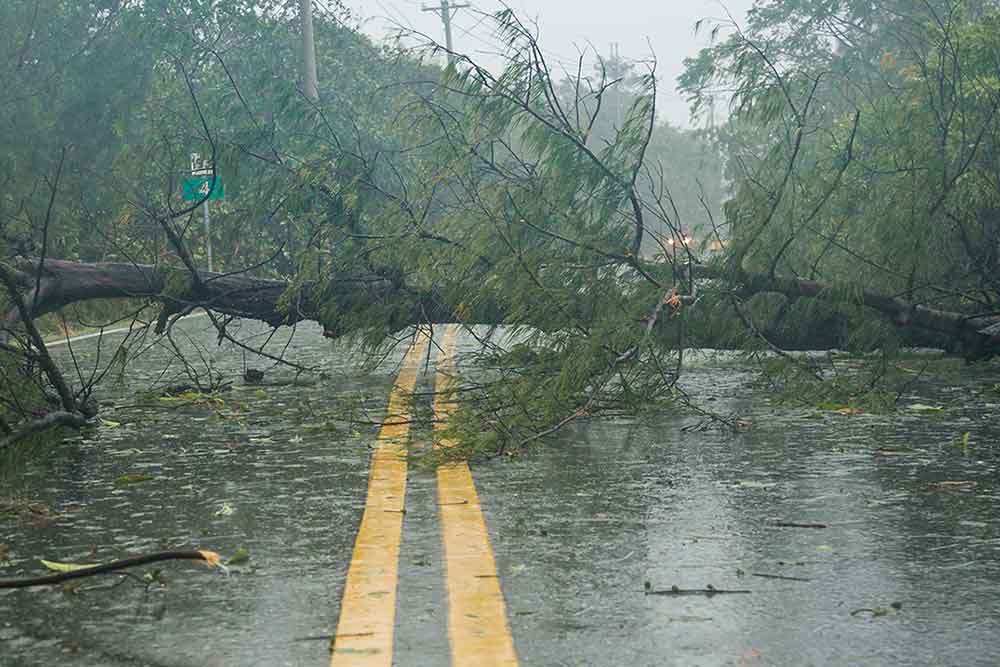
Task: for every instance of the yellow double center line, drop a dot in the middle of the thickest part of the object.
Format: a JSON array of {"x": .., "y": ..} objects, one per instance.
[
  {"x": 477, "y": 618},
  {"x": 368, "y": 610}
]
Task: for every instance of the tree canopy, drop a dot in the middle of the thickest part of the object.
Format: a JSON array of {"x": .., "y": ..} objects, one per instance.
[{"x": 590, "y": 240}]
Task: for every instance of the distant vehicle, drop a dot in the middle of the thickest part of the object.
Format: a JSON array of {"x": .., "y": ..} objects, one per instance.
[{"x": 684, "y": 239}]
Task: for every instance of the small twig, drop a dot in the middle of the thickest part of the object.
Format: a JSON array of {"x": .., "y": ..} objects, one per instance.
[
  {"x": 792, "y": 524},
  {"x": 778, "y": 576},
  {"x": 708, "y": 591}
]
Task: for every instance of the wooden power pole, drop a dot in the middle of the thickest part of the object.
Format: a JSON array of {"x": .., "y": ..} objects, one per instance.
[{"x": 446, "y": 11}]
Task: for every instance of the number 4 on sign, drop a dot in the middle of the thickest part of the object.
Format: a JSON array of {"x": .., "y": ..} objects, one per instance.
[{"x": 201, "y": 187}]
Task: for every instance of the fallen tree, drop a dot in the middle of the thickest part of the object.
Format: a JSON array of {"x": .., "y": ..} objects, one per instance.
[
  {"x": 40, "y": 287},
  {"x": 979, "y": 334},
  {"x": 51, "y": 284},
  {"x": 504, "y": 200},
  {"x": 58, "y": 283}
]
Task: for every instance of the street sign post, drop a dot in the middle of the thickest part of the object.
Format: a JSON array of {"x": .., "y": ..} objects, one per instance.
[{"x": 200, "y": 187}]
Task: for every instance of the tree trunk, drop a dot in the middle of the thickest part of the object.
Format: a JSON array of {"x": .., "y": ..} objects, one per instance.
[
  {"x": 64, "y": 282},
  {"x": 980, "y": 336}
]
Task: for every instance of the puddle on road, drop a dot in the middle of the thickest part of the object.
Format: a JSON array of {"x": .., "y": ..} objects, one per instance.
[{"x": 578, "y": 527}]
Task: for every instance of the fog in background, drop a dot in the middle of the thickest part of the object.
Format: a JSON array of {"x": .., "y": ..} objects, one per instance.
[{"x": 665, "y": 28}]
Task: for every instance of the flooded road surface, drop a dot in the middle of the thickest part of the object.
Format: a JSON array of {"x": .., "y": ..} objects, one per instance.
[{"x": 905, "y": 569}]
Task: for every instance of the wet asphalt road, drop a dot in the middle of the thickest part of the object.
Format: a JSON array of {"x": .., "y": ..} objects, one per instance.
[{"x": 577, "y": 527}]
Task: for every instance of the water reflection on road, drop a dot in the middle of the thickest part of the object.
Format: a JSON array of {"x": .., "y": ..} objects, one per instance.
[
  {"x": 578, "y": 527},
  {"x": 584, "y": 525}
]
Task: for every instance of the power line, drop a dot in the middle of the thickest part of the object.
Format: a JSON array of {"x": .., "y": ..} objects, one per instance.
[{"x": 472, "y": 32}]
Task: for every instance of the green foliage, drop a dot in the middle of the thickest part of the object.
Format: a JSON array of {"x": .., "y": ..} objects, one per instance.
[
  {"x": 682, "y": 170},
  {"x": 868, "y": 165},
  {"x": 558, "y": 210},
  {"x": 847, "y": 391}
]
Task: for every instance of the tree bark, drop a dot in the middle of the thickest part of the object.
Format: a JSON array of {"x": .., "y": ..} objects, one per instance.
[
  {"x": 980, "y": 335},
  {"x": 64, "y": 282}
]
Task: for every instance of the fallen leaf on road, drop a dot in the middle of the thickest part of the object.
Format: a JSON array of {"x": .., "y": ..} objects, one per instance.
[
  {"x": 241, "y": 556},
  {"x": 132, "y": 478},
  {"x": 56, "y": 566}
]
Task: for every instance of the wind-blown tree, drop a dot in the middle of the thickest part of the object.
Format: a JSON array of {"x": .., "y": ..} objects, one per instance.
[
  {"x": 505, "y": 211},
  {"x": 111, "y": 99},
  {"x": 478, "y": 197},
  {"x": 863, "y": 153},
  {"x": 481, "y": 202}
]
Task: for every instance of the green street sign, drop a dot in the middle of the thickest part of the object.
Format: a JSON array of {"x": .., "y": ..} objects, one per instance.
[{"x": 196, "y": 188}]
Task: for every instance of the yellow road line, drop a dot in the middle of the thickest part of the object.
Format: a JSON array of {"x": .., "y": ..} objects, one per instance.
[
  {"x": 368, "y": 611},
  {"x": 477, "y": 617}
]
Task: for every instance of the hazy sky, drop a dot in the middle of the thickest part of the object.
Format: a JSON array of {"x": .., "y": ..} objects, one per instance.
[{"x": 566, "y": 26}]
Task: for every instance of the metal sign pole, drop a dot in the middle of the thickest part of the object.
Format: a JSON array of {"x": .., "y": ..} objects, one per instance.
[
  {"x": 206, "y": 183},
  {"x": 208, "y": 237}
]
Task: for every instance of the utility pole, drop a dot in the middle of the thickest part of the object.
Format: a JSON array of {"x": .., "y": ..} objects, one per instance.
[
  {"x": 446, "y": 11},
  {"x": 310, "y": 82},
  {"x": 617, "y": 67}
]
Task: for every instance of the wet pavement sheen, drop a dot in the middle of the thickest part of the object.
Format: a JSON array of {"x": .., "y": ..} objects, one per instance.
[{"x": 578, "y": 528}]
